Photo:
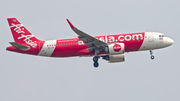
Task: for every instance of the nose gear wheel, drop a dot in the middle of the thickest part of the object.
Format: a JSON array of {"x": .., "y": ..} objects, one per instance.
[{"x": 152, "y": 57}]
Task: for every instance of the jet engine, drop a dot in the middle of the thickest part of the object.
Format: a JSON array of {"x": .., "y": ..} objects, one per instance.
[
  {"x": 114, "y": 58},
  {"x": 115, "y": 48}
]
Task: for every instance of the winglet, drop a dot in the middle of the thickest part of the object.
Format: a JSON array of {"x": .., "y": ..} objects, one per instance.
[{"x": 70, "y": 24}]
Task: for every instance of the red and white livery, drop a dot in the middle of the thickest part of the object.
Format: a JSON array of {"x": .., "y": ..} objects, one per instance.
[{"x": 109, "y": 47}]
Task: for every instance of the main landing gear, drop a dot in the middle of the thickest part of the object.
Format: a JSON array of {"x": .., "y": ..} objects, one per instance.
[
  {"x": 95, "y": 59},
  {"x": 152, "y": 56}
]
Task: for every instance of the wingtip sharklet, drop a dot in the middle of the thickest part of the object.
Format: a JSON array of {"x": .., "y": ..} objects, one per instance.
[{"x": 70, "y": 24}]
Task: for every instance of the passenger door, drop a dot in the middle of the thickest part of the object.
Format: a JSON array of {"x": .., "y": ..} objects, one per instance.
[{"x": 150, "y": 37}]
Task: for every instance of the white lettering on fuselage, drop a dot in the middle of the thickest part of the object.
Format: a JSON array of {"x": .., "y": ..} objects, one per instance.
[
  {"x": 137, "y": 36},
  {"x": 111, "y": 39},
  {"x": 127, "y": 37},
  {"x": 121, "y": 38},
  {"x": 102, "y": 39},
  {"x": 27, "y": 37}
]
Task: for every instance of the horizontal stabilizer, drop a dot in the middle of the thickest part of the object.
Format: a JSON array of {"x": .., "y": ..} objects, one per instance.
[{"x": 19, "y": 46}]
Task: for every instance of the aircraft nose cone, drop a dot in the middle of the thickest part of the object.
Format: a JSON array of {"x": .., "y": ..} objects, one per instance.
[{"x": 169, "y": 41}]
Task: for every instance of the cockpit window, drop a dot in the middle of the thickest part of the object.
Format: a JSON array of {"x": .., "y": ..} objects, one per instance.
[{"x": 161, "y": 35}]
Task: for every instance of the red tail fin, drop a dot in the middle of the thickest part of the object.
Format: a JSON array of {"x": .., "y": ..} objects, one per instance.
[{"x": 20, "y": 33}]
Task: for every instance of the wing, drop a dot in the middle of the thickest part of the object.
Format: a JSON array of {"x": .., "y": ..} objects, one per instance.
[{"x": 92, "y": 42}]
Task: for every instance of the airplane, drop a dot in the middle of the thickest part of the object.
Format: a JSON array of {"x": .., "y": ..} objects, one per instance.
[{"x": 110, "y": 47}]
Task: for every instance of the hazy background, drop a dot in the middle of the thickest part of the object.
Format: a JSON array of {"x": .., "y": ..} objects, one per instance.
[{"x": 34, "y": 78}]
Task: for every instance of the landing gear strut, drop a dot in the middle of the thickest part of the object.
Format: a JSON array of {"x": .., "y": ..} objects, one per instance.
[
  {"x": 95, "y": 59},
  {"x": 152, "y": 56}
]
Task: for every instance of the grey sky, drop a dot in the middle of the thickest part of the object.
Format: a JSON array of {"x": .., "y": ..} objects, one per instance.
[{"x": 33, "y": 78}]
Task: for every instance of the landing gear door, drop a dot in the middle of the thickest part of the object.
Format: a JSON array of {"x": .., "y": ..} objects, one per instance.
[{"x": 150, "y": 37}]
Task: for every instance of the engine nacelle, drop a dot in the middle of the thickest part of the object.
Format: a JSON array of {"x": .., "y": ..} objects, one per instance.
[
  {"x": 115, "y": 48},
  {"x": 114, "y": 58}
]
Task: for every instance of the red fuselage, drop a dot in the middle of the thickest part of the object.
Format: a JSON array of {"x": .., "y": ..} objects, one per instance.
[{"x": 75, "y": 47}]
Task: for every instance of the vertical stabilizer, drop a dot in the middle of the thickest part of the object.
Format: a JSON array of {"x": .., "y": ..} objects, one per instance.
[{"x": 21, "y": 34}]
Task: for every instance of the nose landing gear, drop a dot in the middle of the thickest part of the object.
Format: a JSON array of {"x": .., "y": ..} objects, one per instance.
[{"x": 152, "y": 56}]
